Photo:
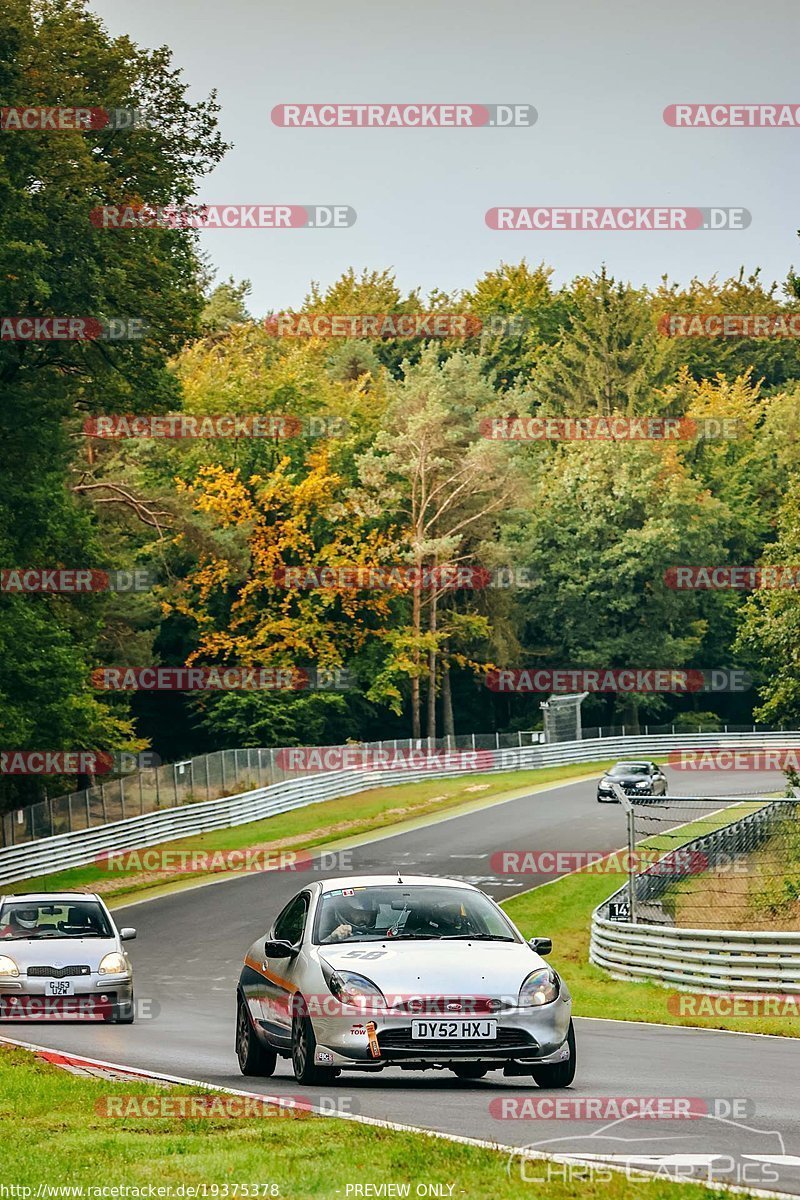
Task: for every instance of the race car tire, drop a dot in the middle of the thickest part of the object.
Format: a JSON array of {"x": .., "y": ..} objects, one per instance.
[
  {"x": 304, "y": 1045},
  {"x": 254, "y": 1057},
  {"x": 124, "y": 1013},
  {"x": 558, "y": 1075},
  {"x": 469, "y": 1071}
]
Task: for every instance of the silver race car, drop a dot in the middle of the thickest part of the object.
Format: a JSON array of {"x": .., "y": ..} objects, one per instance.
[
  {"x": 418, "y": 973},
  {"x": 61, "y": 957}
]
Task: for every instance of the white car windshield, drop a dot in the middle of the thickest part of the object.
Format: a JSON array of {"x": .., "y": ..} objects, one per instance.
[
  {"x": 42, "y": 919},
  {"x": 406, "y": 911}
]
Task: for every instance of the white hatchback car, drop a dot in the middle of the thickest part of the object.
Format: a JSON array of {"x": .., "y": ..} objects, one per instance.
[
  {"x": 61, "y": 956},
  {"x": 419, "y": 973}
]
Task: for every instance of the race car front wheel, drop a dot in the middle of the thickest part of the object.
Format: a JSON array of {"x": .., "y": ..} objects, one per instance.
[
  {"x": 304, "y": 1048},
  {"x": 254, "y": 1057},
  {"x": 558, "y": 1075}
]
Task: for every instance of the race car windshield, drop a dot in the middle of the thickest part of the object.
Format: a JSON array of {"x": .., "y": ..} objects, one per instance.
[
  {"x": 37, "y": 921},
  {"x": 408, "y": 912},
  {"x": 630, "y": 769}
]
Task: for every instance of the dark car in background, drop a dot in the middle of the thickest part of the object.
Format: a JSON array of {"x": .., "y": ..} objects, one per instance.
[{"x": 636, "y": 778}]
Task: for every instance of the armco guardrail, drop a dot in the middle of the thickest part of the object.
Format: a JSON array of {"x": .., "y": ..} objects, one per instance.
[
  {"x": 46, "y": 855},
  {"x": 704, "y": 960}
]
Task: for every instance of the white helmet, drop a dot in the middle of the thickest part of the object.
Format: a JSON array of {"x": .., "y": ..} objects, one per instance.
[{"x": 25, "y": 917}]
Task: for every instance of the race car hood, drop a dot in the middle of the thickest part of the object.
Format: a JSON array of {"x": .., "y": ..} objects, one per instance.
[
  {"x": 438, "y": 968},
  {"x": 57, "y": 952}
]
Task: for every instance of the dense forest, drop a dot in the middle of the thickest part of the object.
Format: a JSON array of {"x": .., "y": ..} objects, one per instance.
[{"x": 385, "y": 452}]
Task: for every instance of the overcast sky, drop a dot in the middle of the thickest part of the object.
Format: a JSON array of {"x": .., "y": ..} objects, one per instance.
[{"x": 599, "y": 76}]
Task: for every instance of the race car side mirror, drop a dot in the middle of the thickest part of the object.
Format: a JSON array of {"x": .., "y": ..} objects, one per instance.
[
  {"x": 279, "y": 949},
  {"x": 541, "y": 945},
  {"x": 127, "y": 934}
]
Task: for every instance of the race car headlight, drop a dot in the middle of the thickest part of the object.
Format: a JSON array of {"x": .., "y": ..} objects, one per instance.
[
  {"x": 113, "y": 964},
  {"x": 356, "y": 990},
  {"x": 541, "y": 987},
  {"x": 8, "y": 966}
]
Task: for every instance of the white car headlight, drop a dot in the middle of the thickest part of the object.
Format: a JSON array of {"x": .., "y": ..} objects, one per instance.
[
  {"x": 356, "y": 990},
  {"x": 113, "y": 964},
  {"x": 8, "y": 966},
  {"x": 541, "y": 987}
]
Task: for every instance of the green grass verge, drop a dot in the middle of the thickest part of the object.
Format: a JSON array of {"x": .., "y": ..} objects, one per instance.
[
  {"x": 562, "y": 910},
  {"x": 55, "y": 1136},
  {"x": 318, "y": 825}
]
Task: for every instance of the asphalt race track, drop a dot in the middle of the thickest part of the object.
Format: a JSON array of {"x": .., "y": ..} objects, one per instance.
[{"x": 188, "y": 955}]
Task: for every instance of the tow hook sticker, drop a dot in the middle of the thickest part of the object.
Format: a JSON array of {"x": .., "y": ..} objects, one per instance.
[{"x": 372, "y": 1036}]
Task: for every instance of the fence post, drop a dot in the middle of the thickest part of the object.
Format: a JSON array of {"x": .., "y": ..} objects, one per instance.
[
  {"x": 103, "y": 802},
  {"x": 208, "y": 785},
  {"x": 88, "y": 810},
  {"x": 52, "y": 820},
  {"x": 519, "y": 738},
  {"x": 175, "y": 782},
  {"x": 69, "y": 812},
  {"x": 222, "y": 757},
  {"x": 628, "y": 806},
  {"x": 122, "y": 796},
  {"x": 623, "y": 731}
]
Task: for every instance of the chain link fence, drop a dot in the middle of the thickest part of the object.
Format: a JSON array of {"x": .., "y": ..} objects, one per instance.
[
  {"x": 720, "y": 863},
  {"x": 208, "y": 777}
]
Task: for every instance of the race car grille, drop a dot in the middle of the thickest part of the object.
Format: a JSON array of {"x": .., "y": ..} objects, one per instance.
[
  {"x": 401, "y": 1039},
  {"x": 58, "y": 972}
]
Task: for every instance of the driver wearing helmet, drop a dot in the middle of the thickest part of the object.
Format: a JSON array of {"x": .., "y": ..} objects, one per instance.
[
  {"x": 20, "y": 922},
  {"x": 355, "y": 915}
]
